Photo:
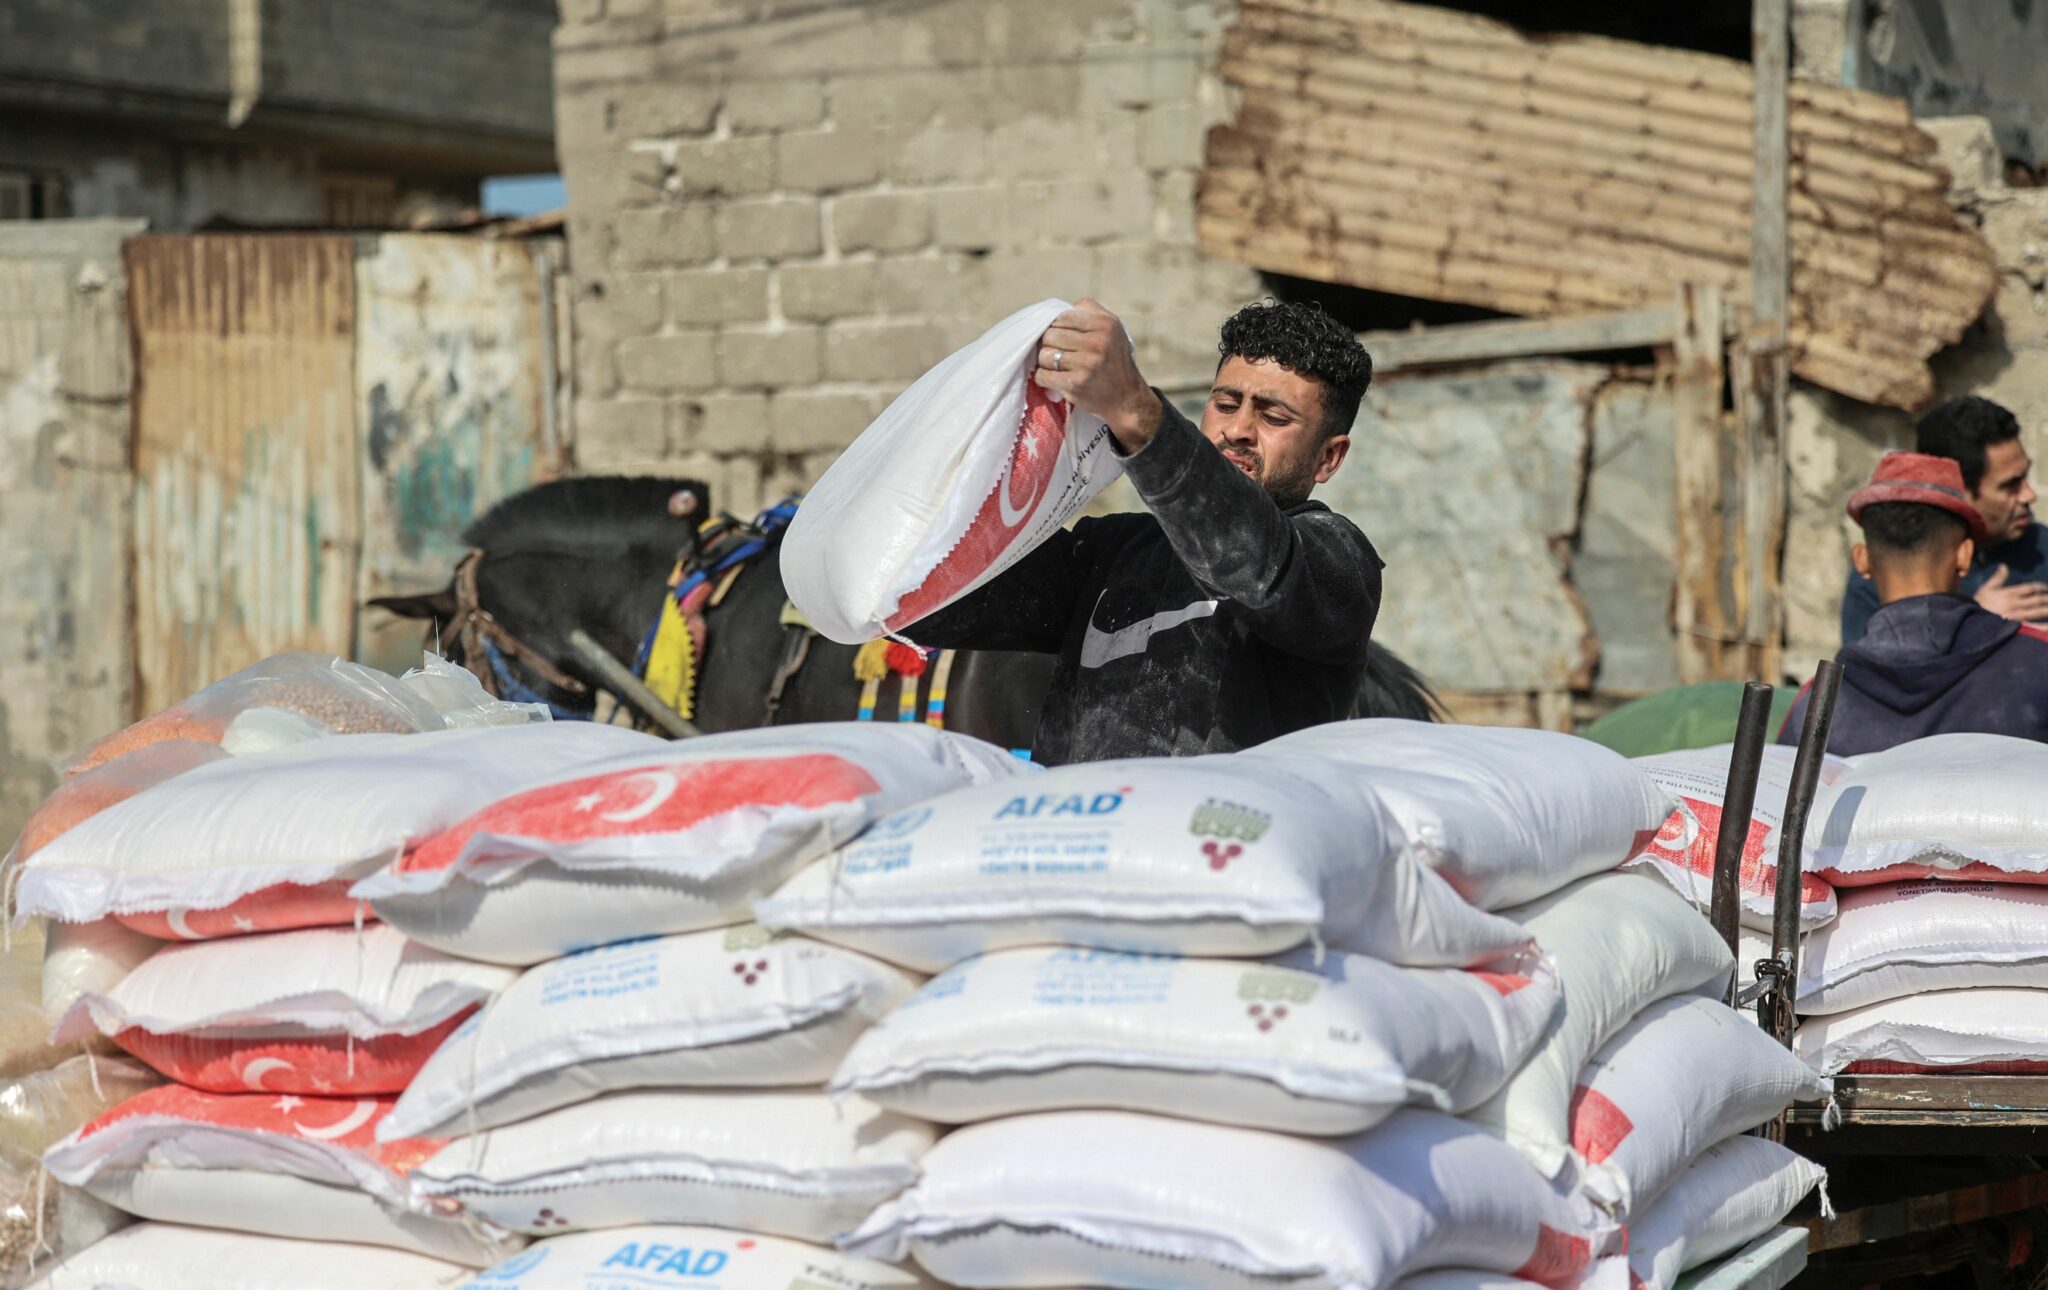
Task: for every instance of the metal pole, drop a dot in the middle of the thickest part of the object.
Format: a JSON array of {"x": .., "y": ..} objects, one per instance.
[
  {"x": 1776, "y": 1010},
  {"x": 1763, "y": 375},
  {"x": 1738, "y": 805},
  {"x": 1813, "y": 743},
  {"x": 615, "y": 676}
]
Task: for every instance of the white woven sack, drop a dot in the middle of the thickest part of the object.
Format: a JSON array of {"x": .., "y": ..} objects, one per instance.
[
  {"x": 326, "y": 810},
  {"x": 1682, "y": 853},
  {"x": 683, "y": 1256},
  {"x": 1620, "y": 942},
  {"x": 1686, "y": 1073},
  {"x": 89, "y": 958},
  {"x": 1948, "y": 806},
  {"x": 1918, "y": 937},
  {"x": 1506, "y": 815},
  {"x": 1290, "y": 1044},
  {"x": 969, "y": 469},
  {"x": 1468, "y": 1279},
  {"x": 786, "y": 1163},
  {"x": 1221, "y": 856},
  {"x": 1112, "y": 1199},
  {"x": 1985, "y": 1029},
  {"x": 285, "y": 1011},
  {"x": 676, "y": 838},
  {"x": 1733, "y": 1193},
  {"x": 734, "y": 1007},
  {"x": 309, "y": 1168},
  {"x": 159, "y": 1256}
]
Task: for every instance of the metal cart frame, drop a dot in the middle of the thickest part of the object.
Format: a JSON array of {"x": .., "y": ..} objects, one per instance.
[{"x": 1986, "y": 1198}]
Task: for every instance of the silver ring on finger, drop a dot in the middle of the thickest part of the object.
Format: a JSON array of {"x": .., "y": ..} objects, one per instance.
[{"x": 1058, "y": 356}]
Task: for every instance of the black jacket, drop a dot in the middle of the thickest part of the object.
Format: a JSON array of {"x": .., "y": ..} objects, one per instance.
[
  {"x": 1214, "y": 623},
  {"x": 1935, "y": 665}
]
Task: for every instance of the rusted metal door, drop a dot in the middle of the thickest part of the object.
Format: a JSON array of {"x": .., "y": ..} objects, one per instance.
[
  {"x": 248, "y": 491},
  {"x": 456, "y": 382},
  {"x": 317, "y": 417}
]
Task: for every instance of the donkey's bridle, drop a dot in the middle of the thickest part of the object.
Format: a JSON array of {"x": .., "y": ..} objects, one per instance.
[{"x": 480, "y": 633}]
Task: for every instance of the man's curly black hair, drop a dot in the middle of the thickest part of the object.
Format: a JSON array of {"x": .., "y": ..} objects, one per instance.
[
  {"x": 1962, "y": 429},
  {"x": 1308, "y": 342}
]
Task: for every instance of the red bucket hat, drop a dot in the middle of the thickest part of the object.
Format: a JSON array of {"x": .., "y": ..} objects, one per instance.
[{"x": 1923, "y": 479}]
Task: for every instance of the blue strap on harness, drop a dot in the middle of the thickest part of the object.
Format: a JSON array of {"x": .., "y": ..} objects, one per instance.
[
  {"x": 768, "y": 522},
  {"x": 511, "y": 688}
]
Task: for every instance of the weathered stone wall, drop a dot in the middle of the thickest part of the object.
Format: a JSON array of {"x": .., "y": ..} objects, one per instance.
[
  {"x": 65, "y": 675},
  {"x": 782, "y": 213}
]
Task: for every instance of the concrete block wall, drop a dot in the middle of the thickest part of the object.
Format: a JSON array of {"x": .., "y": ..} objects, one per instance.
[{"x": 780, "y": 214}]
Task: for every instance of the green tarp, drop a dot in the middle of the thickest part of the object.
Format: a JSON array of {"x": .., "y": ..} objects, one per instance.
[{"x": 1689, "y": 716}]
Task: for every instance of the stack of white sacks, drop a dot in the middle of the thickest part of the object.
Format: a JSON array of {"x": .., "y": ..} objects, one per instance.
[
  {"x": 347, "y": 905},
  {"x": 1361, "y": 1005},
  {"x": 284, "y": 1021},
  {"x": 1923, "y": 908},
  {"x": 1166, "y": 987},
  {"x": 1938, "y": 960}
]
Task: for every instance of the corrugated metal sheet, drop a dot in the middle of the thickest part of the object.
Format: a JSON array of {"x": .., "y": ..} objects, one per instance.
[
  {"x": 1435, "y": 154},
  {"x": 247, "y": 485},
  {"x": 454, "y": 361},
  {"x": 316, "y": 420}
]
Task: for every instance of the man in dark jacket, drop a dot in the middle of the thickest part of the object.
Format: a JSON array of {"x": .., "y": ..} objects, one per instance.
[
  {"x": 2009, "y": 575},
  {"x": 1237, "y": 610},
  {"x": 1932, "y": 662}
]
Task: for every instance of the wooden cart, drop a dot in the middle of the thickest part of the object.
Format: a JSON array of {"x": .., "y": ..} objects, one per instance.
[{"x": 1934, "y": 1177}]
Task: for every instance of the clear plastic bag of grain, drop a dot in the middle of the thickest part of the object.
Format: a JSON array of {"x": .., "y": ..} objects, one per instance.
[
  {"x": 25, "y": 1046},
  {"x": 87, "y": 793},
  {"x": 462, "y": 700},
  {"x": 41, "y": 1220},
  {"x": 281, "y": 700}
]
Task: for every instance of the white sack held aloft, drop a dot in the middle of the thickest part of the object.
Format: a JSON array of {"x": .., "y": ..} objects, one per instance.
[
  {"x": 1215, "y": 856},
  {"x": 309, "y": 1168},
  {"x": 1112, "y": 1199},
  {"x": 1620, "y": 942},
  {"x": 1288, "y": 1044},
  {"x": 734, "y": 1007},
  {"x": 307, "y": 819},
  {"x": 1991, "y": 1030},
  {"x": 1733, "y": 1193},
  {"x": 1683, "y": 1075},
  {"x": 675, "y": 838},
  {"x": 1505, "y": 815},
  {"x": 160, "y": 1256},
  {"x": 1948, "y": 806},
  {"x": 685, "y": 1256},
  {"x": 969, "y": 469},
  {"x": 782, "y": 1162},
  {"x": 1919, "y": 937},
  {"x": 1682, "y": 853},
  {"x": 324, "y": 1011}
]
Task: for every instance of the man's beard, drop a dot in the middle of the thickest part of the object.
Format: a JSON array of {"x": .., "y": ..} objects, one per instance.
[{"x": 1285, "y": 487}]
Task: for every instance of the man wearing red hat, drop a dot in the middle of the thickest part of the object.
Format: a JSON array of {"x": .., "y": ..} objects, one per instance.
[{"x": 1931, "y": 661}]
